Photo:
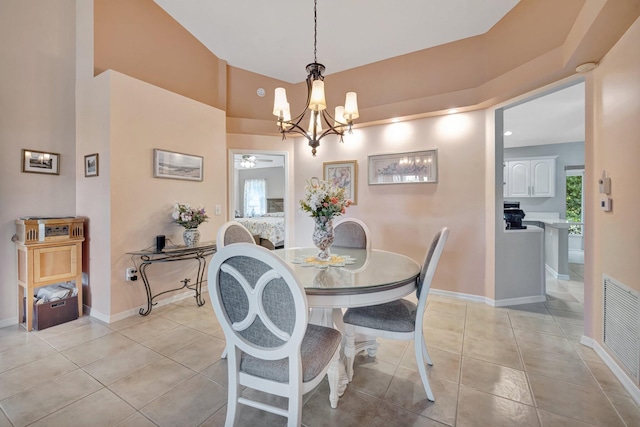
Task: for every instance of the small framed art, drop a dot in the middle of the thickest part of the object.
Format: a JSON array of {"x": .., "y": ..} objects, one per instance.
[
  {"x": 344, "y": 174},
  {"x": 404, "y": 168},
  {"x": 168, "y": 164},
  {"x": 91, "y": 165},
  {"x": 40, "y": 162}
]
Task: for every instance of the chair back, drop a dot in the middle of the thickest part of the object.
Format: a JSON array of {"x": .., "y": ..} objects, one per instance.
[
  {"x": 430, "y": 264},
  {"x": 261, "y": 307},
  {"x": 233, "y": 232},
  {"x": 351, "y": 233}
]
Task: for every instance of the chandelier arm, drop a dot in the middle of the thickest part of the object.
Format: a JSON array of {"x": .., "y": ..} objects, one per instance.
[{"x": 296, "y": 129}]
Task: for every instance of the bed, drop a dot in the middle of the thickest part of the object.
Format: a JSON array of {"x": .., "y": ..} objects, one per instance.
[{"x": 269, "y": 226}]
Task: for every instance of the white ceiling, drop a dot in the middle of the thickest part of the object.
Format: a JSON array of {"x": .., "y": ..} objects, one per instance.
[
  {"x": 555, "y": 118},
  {"x": 275, "y": 38}
]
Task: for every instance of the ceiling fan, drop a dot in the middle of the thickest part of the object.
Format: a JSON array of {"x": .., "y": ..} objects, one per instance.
[{"x": 247, "y": 161}]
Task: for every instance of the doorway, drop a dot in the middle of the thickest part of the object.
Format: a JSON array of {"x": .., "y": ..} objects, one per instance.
[
  {"x": 538, "y": 126},
  {"x": 258, "y": 183}
]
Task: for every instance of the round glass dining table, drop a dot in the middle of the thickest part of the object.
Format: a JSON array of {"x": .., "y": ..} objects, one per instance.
[
  {"x": 355, "y": 278},
  {"x": 358, "y": 277}
]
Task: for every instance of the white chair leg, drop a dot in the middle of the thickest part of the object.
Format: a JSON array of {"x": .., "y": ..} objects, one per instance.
[
  {"x": 295, "y": 409},
  {"x": 333, "y": 375},
  {"x": 349, "y": 351},
  {"x": 232, "y": 399},
  {"x": 425, "y": 353},
  {"x": 423, "y": 370},
  {"x": 372, "y": 348}
]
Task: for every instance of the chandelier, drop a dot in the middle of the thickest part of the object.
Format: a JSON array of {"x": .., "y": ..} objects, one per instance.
[
  {"x": 247, "y": 161},
  {"x": 343, "y": 116}
]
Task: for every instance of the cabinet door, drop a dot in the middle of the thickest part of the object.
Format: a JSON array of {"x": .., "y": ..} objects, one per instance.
[
  {"x": 543, "y": 178},
  {"x": 55, "y": 263},
  {"x": 519, "y": 178}
]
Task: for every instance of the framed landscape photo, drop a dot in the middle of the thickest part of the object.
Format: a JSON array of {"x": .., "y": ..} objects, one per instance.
[
  {"x": 168, "y": 164},
  {"x": 91, "y": 165},
  {"x": 404, "y": 168},
  {"x": 344, "y": 174},
  {"x": 40, "y": 162}
]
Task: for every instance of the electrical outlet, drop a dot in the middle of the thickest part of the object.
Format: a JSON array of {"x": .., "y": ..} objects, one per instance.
[{"x": 131, "y": 274}]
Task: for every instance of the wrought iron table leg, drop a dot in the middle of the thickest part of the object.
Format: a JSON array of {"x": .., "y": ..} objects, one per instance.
[{"x": 143, "y": 274}]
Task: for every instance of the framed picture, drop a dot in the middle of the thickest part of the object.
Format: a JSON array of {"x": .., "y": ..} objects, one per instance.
[
  {"x": 167, "y": 164},
  {"x": 404, "y": 168},
  {"x": 91, "y": 165},
  {"x": 344, "y": 174},
  {"x": 40, "y": 162}
]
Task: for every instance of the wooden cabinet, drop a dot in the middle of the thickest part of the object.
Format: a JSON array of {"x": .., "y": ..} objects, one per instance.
[
  {"x": 530, "y": 177},
  {"x": 48, "y": 251}
]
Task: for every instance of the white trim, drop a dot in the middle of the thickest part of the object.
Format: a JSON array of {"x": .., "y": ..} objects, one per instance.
[
  {"x": 518, "y": 301},
  {"x": 487, "y": 300},
  {"x": 555, "y": 274},
  {"x": 9, "y": 321},
  {"x": 461, "y": 296},
  {"x": 136, "y": 311},
  {"x": 631, "y": 387}
]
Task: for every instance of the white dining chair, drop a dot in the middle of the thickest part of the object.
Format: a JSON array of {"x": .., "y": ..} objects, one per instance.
[
  {"x": 272, "y": 348},
  {"x": 233, "y": 232},
  {"x": 400, "y": 319},
  {"x": 351, "y": 233}
]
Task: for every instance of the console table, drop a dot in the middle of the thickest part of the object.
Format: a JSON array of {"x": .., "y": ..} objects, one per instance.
[{"x": 147, "y": 257}]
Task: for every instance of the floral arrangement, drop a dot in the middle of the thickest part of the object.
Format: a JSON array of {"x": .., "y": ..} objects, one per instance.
[
  {"x": 188, "y": 217},
  {"x": 323, "y": 199}
]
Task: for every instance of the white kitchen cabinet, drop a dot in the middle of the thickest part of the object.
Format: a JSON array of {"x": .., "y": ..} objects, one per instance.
[{"x": 531, "y": 177}]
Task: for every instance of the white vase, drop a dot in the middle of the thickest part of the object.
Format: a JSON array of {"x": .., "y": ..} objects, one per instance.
[
  {"x": 323, "y": 236},
  {"x": 191, "y": 237}
]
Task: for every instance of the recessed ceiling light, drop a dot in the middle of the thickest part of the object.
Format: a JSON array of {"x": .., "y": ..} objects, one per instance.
[
  {"x": 508, "y": 133},
  {"x": 452, "y": 111}
]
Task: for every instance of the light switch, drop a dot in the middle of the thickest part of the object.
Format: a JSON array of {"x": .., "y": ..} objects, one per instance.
[{"x": 218, "y": 209}]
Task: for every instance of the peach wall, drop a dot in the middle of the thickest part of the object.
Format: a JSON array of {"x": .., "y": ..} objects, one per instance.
[
  {"x": 140, "y": 39},
  {"x": 403, "y": 218},
  {"x": 613, "y": 144},
  {"x": 144, "y": 117},
  {"x": 37, "y": 111}
]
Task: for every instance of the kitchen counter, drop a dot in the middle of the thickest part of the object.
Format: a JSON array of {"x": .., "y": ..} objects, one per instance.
[
  {"x": 520, "y": 275},
  {"x": 556, "y": 241},
  {"x": 550, "y": 218},
  {"x": 529, "y": 229}
]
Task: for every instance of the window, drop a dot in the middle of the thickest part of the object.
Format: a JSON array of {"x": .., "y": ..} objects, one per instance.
[
  {"x": 255, "y": 197},
  {"x": 574, "y": 199}
]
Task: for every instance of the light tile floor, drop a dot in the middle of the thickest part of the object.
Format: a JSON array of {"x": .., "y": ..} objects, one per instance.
[{"x": 519, "y": 366}]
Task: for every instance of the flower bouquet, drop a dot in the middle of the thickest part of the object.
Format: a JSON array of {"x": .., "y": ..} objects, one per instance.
[
  {"x": 190, "y": 218},
  {"x": 323, "y": 201}
]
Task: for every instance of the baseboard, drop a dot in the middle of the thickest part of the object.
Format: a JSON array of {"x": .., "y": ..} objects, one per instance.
[
  {"x": 13, "y": 320},
  {"x": 486, "y": 300},
  {"x": 461, "y": 296},
  {"x": 556, "y": 274},
  {"x": 135, "y": 311},
  {"x": 517, "y": 301},
  {"x": 629, "y": 385}
]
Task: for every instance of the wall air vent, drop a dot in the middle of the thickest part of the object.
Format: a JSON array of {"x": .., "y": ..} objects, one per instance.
[{"x": 622, "y": 323}]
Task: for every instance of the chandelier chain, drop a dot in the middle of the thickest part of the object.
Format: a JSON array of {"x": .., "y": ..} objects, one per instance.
[{"x": 315, "y": 31}]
